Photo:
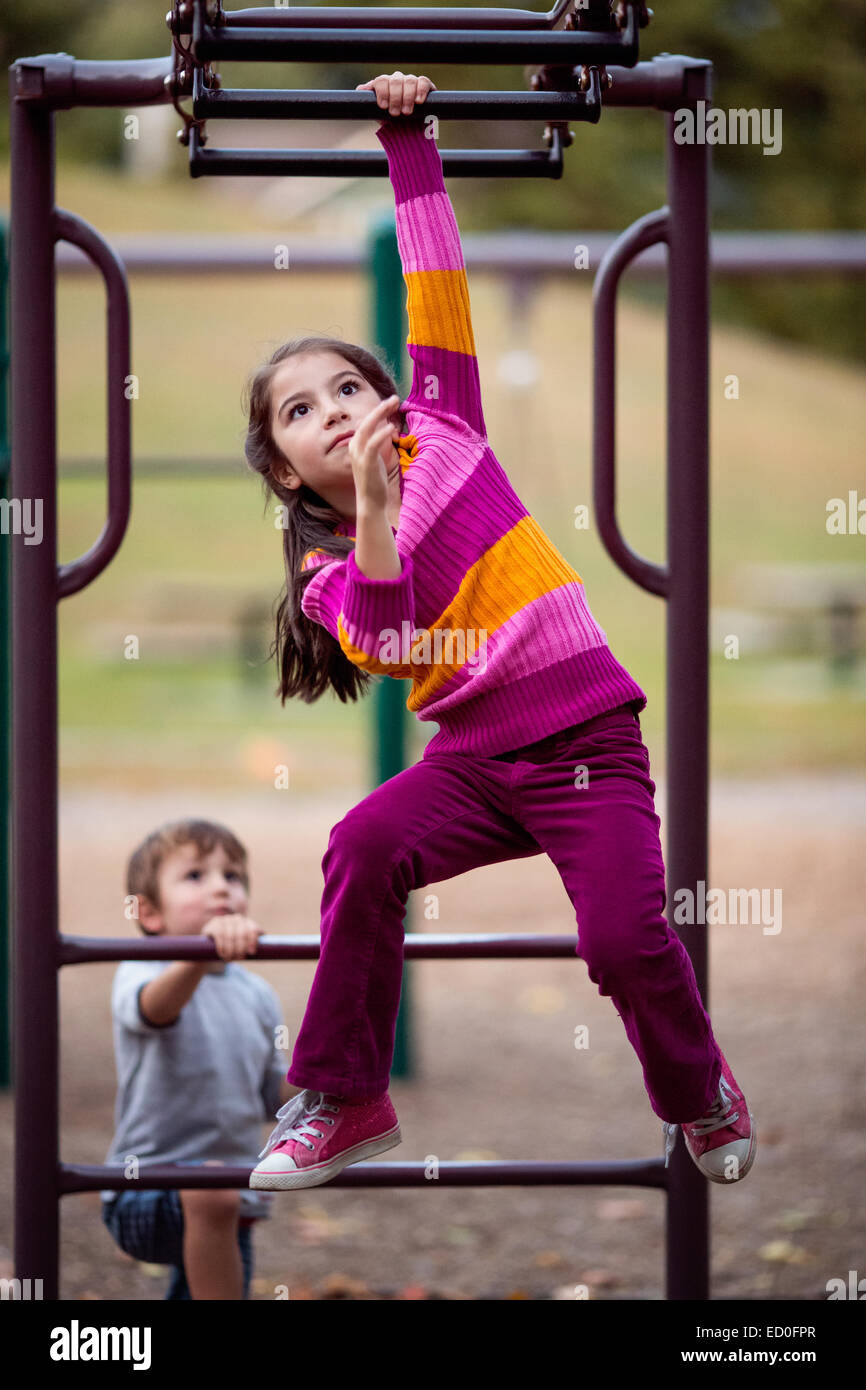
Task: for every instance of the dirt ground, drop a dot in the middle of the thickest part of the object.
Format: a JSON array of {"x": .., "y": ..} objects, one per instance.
[{"x": 498, "y": 1075}]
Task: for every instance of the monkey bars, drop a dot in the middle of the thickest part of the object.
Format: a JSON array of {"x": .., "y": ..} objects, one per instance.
[{"x": 589, "y": 36}]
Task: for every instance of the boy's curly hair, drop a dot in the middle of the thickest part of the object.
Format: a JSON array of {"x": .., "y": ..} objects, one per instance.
[
  {"x": 143, "y": 866},
  {"x": 309, "y": 657}
]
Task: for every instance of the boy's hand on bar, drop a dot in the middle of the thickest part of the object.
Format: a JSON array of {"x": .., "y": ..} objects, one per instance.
[{"x": 233, "y": 935}]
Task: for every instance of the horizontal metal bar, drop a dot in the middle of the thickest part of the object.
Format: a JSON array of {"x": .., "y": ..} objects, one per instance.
[
  {"x": 169, "y": 465},
  {"x": 362, "y": 46},
  {"x": 59, "y": 81},
  {"x": 639, "y": 1172},
  {"x": 665, "y": 83},
  {"x": 370, "y": 164},
  {"x": 385, "y": 17},
  {"x": 282, "y": 42},
  {"x": 515, "y": 253},
  {"x": 501, "y": 164},
  {"x": 79, "y": 950},
  {"x": 274, "y": 104}
]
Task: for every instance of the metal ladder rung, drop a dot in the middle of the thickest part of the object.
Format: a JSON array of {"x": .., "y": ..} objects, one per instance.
[{"x": 631, "y": 1172}]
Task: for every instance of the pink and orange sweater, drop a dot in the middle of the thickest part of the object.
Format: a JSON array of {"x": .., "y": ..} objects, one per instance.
[{"x": 488, "y": 620}]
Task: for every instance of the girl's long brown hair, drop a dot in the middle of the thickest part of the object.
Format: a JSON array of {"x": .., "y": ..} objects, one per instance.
[{"x": 309, "y": 657}]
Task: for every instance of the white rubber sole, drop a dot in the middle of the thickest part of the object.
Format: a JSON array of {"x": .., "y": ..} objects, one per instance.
[
  {"x": 750, "y": 1158},
  {"x": 319, "y": 1173}
]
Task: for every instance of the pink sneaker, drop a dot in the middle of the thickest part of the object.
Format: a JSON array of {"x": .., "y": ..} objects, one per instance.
[
  {"x": 722, "y": 1142},
  {"x": 309, "y": 1146}
]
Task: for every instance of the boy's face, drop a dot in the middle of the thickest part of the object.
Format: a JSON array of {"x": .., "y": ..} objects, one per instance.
[{"x": 193, "y": 888}]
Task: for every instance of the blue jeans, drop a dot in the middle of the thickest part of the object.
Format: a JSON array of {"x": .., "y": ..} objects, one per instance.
[
  {"x": 583, "y": 796},
  {"x": 149, "y": 1227}
]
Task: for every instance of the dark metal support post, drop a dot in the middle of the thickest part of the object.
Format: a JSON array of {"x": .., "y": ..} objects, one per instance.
[
  {"x": 688, "y": 168},
  {"x": 34, "y": 697},
  {"x": 5, "y": 694},
  {"x": 684, "y": 582}
]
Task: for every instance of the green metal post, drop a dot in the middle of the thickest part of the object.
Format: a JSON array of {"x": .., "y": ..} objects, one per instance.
[
  {"x": 387, "y": 289},
  {"x": 5, "y": 677}
]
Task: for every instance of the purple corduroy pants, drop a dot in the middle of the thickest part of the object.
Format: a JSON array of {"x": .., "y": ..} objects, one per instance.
[{"x": 583, "y": 796}]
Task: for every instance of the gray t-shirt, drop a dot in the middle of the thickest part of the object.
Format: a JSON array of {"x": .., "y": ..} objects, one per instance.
[{"x": 202, "y": 1086}]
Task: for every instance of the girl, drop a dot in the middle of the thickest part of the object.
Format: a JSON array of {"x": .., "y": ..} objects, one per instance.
[{"x": 408, "y": 554}]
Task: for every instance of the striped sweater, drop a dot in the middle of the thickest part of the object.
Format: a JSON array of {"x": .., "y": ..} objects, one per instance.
[{"x": 487, "y": 619}]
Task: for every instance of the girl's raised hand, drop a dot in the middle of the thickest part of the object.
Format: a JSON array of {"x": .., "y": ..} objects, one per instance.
[
  {"x": 370, "y": 473},
  {"x": 398, "y": 92}
]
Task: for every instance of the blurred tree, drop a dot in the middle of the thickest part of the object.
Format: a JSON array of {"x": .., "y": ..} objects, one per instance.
[
  {"x": 97, "y": 29},
  {"x": 808, "y": 62},
  {"x": 44, "y": 27}
]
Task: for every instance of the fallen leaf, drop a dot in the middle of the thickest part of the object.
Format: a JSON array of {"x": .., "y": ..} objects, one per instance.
[
  {"x": 545, "y": 1259},
  {"x": 599, "y": 1278},
  {"x": 793, "y": 1220},
  {"x": 314, "y": 1226},
  {"x": 780, "y": 1251},
  {"x": 541, "y": 999},
  {"x": 344, "y": 1286},
  {"x": 300, "y": 1293}
]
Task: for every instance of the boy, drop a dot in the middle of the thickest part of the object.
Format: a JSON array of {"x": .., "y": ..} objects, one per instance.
[{"x": 197, "y": 1063}]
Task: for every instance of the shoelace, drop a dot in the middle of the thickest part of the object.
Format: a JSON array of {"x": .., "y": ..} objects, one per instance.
[
  {"x": 292, "y": 1112},
  {"x": 717, "y": 1117}
]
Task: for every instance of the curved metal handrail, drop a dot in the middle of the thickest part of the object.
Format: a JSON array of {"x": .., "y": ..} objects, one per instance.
[
  {"x": 78, "y": 573},
  {"x": 648, "y": 230}
]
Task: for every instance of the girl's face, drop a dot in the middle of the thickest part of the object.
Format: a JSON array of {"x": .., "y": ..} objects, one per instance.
[{"x": 317, "y": 397}]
